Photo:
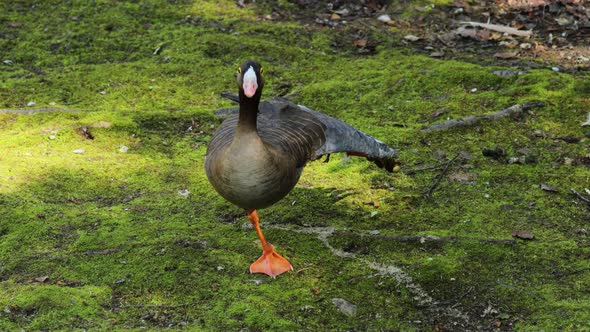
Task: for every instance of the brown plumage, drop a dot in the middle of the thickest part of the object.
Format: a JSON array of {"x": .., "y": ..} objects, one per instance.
[{"x": 256, "y": 156}]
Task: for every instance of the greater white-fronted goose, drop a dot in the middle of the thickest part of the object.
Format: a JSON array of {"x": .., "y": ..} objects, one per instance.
[{"x": 256, "y": 156}]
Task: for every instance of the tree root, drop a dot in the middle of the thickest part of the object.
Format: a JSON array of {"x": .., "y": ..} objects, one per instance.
[{"x": 474, "y": 119}]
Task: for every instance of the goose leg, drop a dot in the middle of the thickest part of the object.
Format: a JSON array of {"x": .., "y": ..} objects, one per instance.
[{"x": 270, "y": 263}]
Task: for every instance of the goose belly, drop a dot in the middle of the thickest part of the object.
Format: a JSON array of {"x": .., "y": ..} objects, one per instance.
[{"x": 254, "y": 183}]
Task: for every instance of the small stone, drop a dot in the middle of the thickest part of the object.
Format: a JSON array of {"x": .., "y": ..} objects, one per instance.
[
  {"x": 555, "y": 68},
  {"x": 526, "y": 46},
  {"x": 514, "y": 160},
  {"x": 507, "y": 73},
  {"x": 123, "y": 148},
  {"x": 384, "y": 18},
  {"x": 103, "y": 92},
  {"x": 31, "y": 104},
  {"x": 52, "y": 103},
  {"x": 344, "y": 306},
  {"x": 375, "y": 232},
  {"x": 7, "y": 62},
  {"x": 184, "y": 192},
  {"x": 52, "y": 137},
  {"x": 79, "y": 151},
  {"x": 256, "y": 282},
  {"x": 411, "y": 38}
]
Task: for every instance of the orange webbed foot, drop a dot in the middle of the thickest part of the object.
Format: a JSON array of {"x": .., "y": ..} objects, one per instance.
[{"x": 270, "y": 263}]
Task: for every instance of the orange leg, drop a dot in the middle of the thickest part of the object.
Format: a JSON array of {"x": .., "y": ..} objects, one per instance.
[{"x": 270, "y": 262}]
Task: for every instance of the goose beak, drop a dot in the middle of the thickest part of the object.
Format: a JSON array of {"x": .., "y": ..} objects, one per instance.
[{"x": 250, "y": 83}]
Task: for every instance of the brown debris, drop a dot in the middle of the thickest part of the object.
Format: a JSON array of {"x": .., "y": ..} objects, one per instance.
[{"x": 523, "y": 234}]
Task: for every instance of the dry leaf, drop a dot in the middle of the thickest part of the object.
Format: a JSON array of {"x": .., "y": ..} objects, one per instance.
[
  {"x": 549, "y": 188},
  {"x": 523, "y": 234},
  {"x": 42, "y": 279},
  {"x": 411, "y": 38},
  {"x": 360, "y": 42},
  {"x": 463, "y": 177},
  {"x": 505, "y": 55}
]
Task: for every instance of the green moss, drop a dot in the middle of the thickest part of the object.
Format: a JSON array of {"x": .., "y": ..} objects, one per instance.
[{"x": 123, "y": 249}]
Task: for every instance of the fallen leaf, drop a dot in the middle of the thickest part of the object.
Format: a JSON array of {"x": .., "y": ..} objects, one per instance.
[
  {"x": 42, "y": 279},
  {"x": 523, "y": 234},
  {"x": 505, "y": 55},
  {"x": 411, "y": 38},
  {"x": 569, "y": 139},
  {"x": 360, "y": 42},
  {"x": 438, "y": 113},
  {"x": 335, "y": 17},
  {"x": 373, "y": 203},
  {"x": 547, "y": 187},
  {"x": 463, "y": 177}
]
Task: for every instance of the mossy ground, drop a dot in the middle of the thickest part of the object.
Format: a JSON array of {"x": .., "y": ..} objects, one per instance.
[{"x": 123, "y": 249}]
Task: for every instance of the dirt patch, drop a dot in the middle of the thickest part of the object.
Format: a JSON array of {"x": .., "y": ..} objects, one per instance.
[{"x": 539, "y": 32}]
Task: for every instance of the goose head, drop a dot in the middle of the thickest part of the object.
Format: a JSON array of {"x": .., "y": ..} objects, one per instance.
[{"x": 250, "y": 80}]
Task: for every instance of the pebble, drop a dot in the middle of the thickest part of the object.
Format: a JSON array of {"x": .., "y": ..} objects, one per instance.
[
  {"x": 344, "y": 306},
  {"x": 31, "y": 104},
  {"x": 384, "y": 18},
  {"x": 526, "y": 46},
  {"x": 507, "y": 73},
  {"x": 52, "y": 137},
  {"x": 123, "y": 148},
  {"x": 79, "y": 151},
  {"x": 184, "y": 192}
]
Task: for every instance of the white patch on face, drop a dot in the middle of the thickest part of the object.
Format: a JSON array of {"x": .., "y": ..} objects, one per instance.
[{"x": 250, "y": 82}]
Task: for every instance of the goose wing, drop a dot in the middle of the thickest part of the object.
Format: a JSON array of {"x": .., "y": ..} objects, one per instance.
[{"x": 307, "y": 135}]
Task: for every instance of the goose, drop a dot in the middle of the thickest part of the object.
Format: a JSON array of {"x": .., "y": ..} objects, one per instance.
[{"x": 256, "y": 156}]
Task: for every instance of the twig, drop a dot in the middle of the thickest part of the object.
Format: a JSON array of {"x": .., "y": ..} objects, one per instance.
[
  {"x": 499, "y": 283},
  {"x": 573, "y": 272},
  {"x": 414, "y": 171},
  {"x": 474, "y": 119},
  {"x": 500, "y": 28},
  {"x": 580, "y": 196},
  {"x": 440, "y": 176},
  {"x": 102, "y": 252},
  {"x": 157, "y": 305},
  {"x": 429, "y": 238},
  {"x": 38, "y": 110}
]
